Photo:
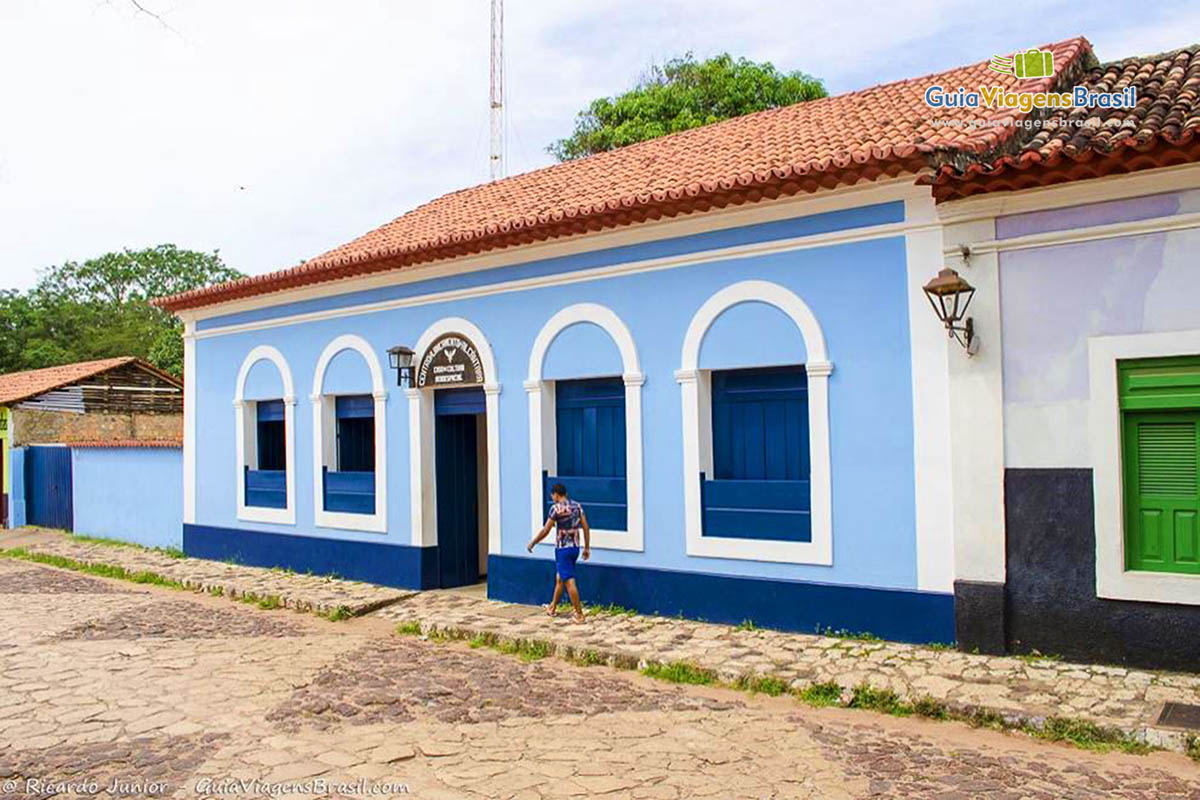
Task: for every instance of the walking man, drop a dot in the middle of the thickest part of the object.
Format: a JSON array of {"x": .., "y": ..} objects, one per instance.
[{"x": 568, "y": 517}]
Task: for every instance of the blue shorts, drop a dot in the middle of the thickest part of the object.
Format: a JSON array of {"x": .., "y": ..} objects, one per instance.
[{"x": 564, "y": 561}]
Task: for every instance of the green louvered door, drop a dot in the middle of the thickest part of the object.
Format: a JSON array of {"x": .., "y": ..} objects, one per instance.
[
  {"x": 1161, "y": 420},
  {"x": 1162, "y": 492}
]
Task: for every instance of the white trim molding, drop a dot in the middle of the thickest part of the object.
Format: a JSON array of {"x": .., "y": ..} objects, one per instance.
[
  {"x": 247, "y": 437},
  {"x": 697, "y": 446},
  {"x": 934, "y": 483},
  {"x": 542, "y": 448},
  {"x": 1113, "y": 581},
  {"x": 422, "y": 462},
  {"x": 189, "y": 422},
  {"x": 323, "y": 438}
]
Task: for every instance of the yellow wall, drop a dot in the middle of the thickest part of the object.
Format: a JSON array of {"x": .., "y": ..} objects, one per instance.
[{"x": 4, "y": 462}]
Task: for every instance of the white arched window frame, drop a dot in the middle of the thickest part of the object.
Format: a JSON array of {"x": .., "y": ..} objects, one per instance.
[
  {"x": 323, "y": 408},
  {"x": 422, "y": 464},
  {"x": 696, "y": 396},
  {"x": 246, "y": 435},
  {"x": 542, "y": 446}
]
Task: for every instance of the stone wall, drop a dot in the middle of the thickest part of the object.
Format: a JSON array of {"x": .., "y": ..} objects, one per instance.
[{"x": 48, "y": 427}]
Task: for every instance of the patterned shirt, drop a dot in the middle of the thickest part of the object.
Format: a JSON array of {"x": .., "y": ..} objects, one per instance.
[{"x": 568, "y": 519}]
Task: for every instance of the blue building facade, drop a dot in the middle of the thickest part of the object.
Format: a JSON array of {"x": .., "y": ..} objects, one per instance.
[{"x": 733, "y": 400}]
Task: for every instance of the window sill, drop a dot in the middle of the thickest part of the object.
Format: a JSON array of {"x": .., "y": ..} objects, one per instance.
[
  {"x": 1149, "y": 587},
  {"x": 349, "y": 521},
  {"x": 278, "y": 516}
]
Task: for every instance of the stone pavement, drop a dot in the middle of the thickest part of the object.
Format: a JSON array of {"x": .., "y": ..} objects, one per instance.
[
  {"x": 315, "y": 593},
  {"x": 110, "y": 689},
  {"x": 1021, "y": 689}
]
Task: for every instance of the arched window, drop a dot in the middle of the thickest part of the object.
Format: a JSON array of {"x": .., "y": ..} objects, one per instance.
[
  {"x": 349, "y": 437},
  {"x": 756, "y": 442},
  {"x": 586, "y": 431},
  {"x": 264, "y": 404}
]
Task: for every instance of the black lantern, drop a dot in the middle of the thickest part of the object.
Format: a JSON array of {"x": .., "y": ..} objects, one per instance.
[
  {"x": 401, "y": 360},
  {"x": 950, "y": 295}
]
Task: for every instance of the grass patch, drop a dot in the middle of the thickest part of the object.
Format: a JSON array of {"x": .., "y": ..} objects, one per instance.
[
  {"x": 590, "y": 658},
  {"x": 477, "y": 641},
  {"x": 338, "y": 614},
  {"x": 270, "y": 602},
  {"x": 884, "y": 701},
  {"x": 842, "y": 633},
  {"x": 610, "y": 610},
  {"x": 821, "y": 695},
  {"x": 929, "y": 708},
  {"x": 762, "y": 684},
  {"x": 216, "y": 591},
  {"x": 1035, "y": 656},
  {"x": 746, "y": 625},
  {"x": 523, "y": 649},
  {"x": 1191, "y": 747},
  {"x": 679, "y": 672},
  {"x": 99, "y": 570},
  {"x": 939, "y": 646},
  {"x": 1089, "y": 736},
  {"x": 410, "y": 628}
]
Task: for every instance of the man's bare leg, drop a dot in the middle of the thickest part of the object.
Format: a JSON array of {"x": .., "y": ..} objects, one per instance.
[
  {"x": 552, "y": 609},
  {"x": 573, "y": 592}
]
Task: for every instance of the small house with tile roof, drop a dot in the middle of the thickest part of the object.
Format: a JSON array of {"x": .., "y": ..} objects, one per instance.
[
  {"x": 721, "y": 342},
  {"x": 1076, "y": 428},
  {"x": 113, "y": 401}
]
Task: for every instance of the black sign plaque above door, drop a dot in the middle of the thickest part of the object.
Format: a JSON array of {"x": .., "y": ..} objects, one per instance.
[{"x": 451, "y": 360}]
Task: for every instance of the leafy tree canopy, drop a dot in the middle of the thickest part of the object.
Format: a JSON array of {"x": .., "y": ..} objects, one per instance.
[
  {"x": 100, "y": 308},
  {"x": 681, "y": 94}
]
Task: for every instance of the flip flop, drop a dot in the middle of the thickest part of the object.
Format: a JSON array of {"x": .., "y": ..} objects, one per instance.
[
  {"x": 577, "y": 619},
  {"x": 549, "y": 612}
]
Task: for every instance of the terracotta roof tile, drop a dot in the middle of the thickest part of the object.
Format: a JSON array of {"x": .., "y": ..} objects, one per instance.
[
  {"x": 1160, "y": 131},
  {"x": 127, "y": 443},
  {"x": 882, "y": 131},
  {"x": 18, "y": 386}
]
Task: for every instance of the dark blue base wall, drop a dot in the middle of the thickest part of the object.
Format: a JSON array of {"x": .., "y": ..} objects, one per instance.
[
  {"x": 901, "y": 615},
  {"x": 403, "y": 566},
  {"x": 1051, "y": 603}
]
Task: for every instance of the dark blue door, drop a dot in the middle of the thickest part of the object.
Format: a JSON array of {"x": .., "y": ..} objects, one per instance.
[
  {"x": 48, "y": 487},
  {"x": 457, "y": 499}
]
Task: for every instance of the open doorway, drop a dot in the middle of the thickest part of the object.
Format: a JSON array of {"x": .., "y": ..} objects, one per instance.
[{"x": 460, "y": 442}]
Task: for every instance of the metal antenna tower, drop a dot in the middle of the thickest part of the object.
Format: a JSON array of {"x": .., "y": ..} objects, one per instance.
[{"x": 496, "y": 158}]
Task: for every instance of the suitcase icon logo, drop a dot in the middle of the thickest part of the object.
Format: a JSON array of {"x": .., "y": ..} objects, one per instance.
[{"x": 1033, "y": 63}]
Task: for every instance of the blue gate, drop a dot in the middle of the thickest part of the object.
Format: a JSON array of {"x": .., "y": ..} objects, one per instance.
[{"x": 48, "y": 487}]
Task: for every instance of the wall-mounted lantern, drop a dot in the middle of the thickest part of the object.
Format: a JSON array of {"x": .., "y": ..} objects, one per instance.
[
  {"x": 950, "y": 295},
  {"x": 401, "y": 360}
]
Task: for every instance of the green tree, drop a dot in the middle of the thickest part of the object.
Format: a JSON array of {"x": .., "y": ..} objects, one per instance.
[
  {"x": 681, "y": 94},
  {"x": 101, "y": 308}
]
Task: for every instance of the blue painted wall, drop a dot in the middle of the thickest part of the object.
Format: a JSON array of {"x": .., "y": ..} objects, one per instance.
[
  {"x": 16, "y": 499},
  {"x": 870, "y": 389},
  {"x": 134, "y": 494}
]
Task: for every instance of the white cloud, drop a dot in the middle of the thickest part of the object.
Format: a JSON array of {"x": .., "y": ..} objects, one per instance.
[{"x": 335, "y": 117}]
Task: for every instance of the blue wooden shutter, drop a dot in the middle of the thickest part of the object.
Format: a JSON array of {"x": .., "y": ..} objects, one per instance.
[
  {"x": 355, "y": 433},
  {"x": 590, "y": 435},
  {"x": 591, "y": 427},
  {"x": 760, "y": 483}
]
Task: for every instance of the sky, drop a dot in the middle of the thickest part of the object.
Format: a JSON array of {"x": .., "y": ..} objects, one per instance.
[{"x": 274, "y": 130}]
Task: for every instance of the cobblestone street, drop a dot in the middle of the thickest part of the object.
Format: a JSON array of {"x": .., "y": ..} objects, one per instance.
[{"x": 181, "y": 694}]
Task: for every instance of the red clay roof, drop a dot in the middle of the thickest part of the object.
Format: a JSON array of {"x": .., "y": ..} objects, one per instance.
[
  {"x": 18, "y": 386},
  {"x": 882, "y": 131},
  {"x": 1160, "y": 132},
  {"x": 124, "y": 443}
]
